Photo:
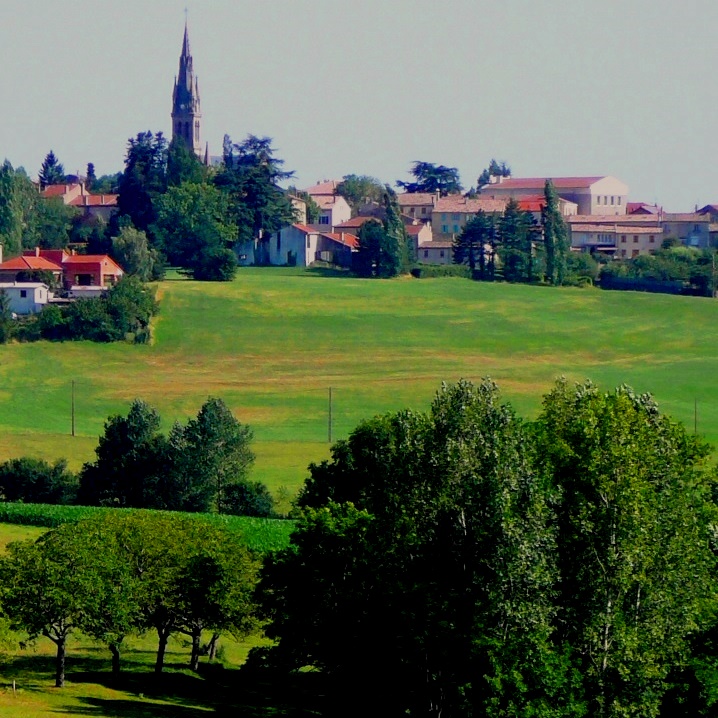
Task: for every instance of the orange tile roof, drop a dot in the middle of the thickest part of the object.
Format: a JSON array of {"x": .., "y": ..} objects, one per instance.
[
  {"x": 303, "y": 228},
  {"x": 32, "y": 263},
  {"x": 459, "y": 203},
  {"x": 414, "y": 228}
]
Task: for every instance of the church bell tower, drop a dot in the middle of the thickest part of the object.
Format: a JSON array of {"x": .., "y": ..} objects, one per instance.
[{"x": 186, "y": 114}]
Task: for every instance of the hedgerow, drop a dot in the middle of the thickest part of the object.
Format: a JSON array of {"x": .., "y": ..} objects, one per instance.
[{"x": 260, "y": 534}]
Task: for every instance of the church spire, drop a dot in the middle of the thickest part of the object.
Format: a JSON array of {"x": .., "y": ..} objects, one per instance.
[{"x": 186, "y": 114}]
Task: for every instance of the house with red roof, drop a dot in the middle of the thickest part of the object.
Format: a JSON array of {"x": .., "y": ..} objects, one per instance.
[
  {"x": 418, "y": 205},
  {"x": 85, "y": 270},
  {"x": 76, "y": 195},
  {"x": 604, "y": 195},
  {"x": 24, "y": 267}
]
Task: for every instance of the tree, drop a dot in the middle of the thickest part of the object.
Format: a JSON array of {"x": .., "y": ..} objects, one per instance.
[
  {"x": 470, "y": 247},
  {"x": 90, "y": 177},
  {"x": 52, "y": 171},
  {"x": 555, "y": 233},
  {"x": 35, "y": 481},
  {"x": 395, "y": 230},
  {"x": 215, "y": 265},
  {"x": 432, "y": 178},
  {"x": 636, "y": 572},
  {"x": 359, "y": 190},
  {"x": 128, "y": 458},
  {"x": 52, "y": 224},
  {"x": 495, "y": 169},
  {"x": 44, "y": 588},
  {"x": 144, "y": 178},
  {"x": 183, "y": 165},
  {"x": 378, "y": 254},
  {"x": 6, "y": 318},
  {"x": 431, "y": 534},
  {"x": 133, "y": 253},
  {"x": 515, "y": 245},
  {"x": 250, "y": 178},
  {"x": 219, "y": 446},
  {"x": 193, "y": 220}
]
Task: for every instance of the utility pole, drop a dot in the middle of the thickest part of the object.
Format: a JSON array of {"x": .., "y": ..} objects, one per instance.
[
  {"x": 330, "y": 416},
  {"x": 73, "y": 407},
  {"x": 695, "y": 416}
]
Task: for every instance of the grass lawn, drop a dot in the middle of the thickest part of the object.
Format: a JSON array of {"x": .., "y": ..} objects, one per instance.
[{"x": 275, "y": 340}]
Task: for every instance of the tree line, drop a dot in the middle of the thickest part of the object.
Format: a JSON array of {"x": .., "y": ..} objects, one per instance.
[
  {"x": 200, "y": 466},
  {"x": 461, "y": 561}
]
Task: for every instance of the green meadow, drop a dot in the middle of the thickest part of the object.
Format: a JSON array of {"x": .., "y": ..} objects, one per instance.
[{"x": 273, "y": 343}]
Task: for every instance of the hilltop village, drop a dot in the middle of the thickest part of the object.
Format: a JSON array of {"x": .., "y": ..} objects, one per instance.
[{"x": 176, "y": 204}]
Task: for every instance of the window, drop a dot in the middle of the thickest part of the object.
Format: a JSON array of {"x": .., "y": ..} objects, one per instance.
[
  {"x": 423, "y": 210},
  {"x": 598, "y": 199},
  {"x": 651, "y": 239},
  {"x": 441, "y": 253},
  {"x": 426, "y": 254},
  {"x": 456, "y": 216},
  {"x": 623, "y": 239},
  {"x": 443, "y": 216},
  {"x": 696, "y": 228},
  {"x": 457, "y": 228},
  {"x": 324, "y": 219},
  {"x": 613, "y": 200},
  {"x": 635, "y": 239},
  {"x": 634, "y": 253},
  {"x": 23, "y": 293},
  {"x": 619, "y": 201},
  {"x": 445, "y": 228},
  {"x": 308, "y": 241}
]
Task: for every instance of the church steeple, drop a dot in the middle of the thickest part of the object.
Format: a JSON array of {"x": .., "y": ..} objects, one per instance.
[{"x": 186, "y": 114}]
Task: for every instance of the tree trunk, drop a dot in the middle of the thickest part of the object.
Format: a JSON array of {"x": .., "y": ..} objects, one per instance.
[
  {"x": 163, "y": 635},
  {"x": 212, "y": 647},
  {"x": 115, "y": 651},
  {"x": 60, "y": 663},
  {"x": 194, "y": 658}
]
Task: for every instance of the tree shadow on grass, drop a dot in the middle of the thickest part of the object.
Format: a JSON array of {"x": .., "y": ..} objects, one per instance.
[
  {"x": 222, "y": 691},
  {"x": 327, "y": 272}
]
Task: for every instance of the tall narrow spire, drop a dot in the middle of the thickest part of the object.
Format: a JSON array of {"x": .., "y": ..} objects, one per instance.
[{"x": 186, "y": 114}]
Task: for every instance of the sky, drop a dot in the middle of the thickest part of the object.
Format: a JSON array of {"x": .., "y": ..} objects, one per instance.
[{"x": 552, "y": 87}]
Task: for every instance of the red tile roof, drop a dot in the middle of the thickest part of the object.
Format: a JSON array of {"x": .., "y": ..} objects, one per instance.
[
  {"x": 328, "y": 187},
  {"x": 33, "y": 263},
  {"x": 95, "y": 200},
  {"x": 613, "y": 219},
  {"x": 344, "y": 238},
  {"x": 414, "y": 229},
  {"x": 410, "y": 199},
  {"x": 353, "y": 223},
  {"x": 54, "y": 255},
  {"x": 85, "y": 259},
  {"x": 615, "y": 228},
  {"x": 539, "y": 183},
  {"x": 459, "y": 203},
  {"x": 57, "y": 190}
]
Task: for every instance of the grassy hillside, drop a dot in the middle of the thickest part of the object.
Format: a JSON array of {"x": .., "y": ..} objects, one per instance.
[{"x": 274, "y": 341}]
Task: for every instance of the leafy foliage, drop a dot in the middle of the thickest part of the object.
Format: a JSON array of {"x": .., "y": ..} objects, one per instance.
[
  {"x": 378, "y": 254},
  {"x": 359, "y": 190},
  {"x": 429, "y": 177},
  {"x": 36, "y": 481}
]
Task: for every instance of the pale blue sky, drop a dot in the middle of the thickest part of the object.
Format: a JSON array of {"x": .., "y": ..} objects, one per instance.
[{"x": 554, "y": 87}]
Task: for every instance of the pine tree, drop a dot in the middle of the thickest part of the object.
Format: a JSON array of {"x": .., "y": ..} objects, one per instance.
[
  {"x": 514, "y": 233},
  {"x": 90, "y": 177},
  {"x": 52, "y": 171},
  {"x": 398, "y": 242}
]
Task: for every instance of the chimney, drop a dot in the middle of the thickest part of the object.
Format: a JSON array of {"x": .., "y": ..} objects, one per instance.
[
  {"x": 0, "y": 252},
  {"x": 342, "y": 238},
  {"x": 37, "y": 251}
]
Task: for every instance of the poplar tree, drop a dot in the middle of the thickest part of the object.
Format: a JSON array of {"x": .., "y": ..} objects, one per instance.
[{"x": 555, "y": 234}]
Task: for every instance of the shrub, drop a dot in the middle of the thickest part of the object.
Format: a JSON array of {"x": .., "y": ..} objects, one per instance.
[
  {"x": 36, "y": 481},
  {"x": 427, "y": 271},
  {"x": 215, "y": 265}
]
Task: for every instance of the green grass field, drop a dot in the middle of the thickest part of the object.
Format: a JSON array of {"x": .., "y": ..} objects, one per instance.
[{"x": 273, "y": 342}]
